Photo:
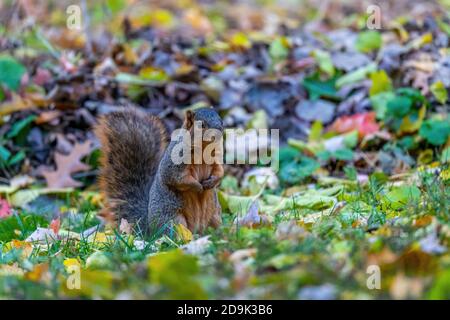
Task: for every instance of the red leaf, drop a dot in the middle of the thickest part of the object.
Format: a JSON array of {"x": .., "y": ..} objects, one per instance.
[
  {"x": 364, "y": 123},
  {"x": 42, "y": 77},
  {"x": 55, "y": 224},
  {"x": 5, "y": 209}
]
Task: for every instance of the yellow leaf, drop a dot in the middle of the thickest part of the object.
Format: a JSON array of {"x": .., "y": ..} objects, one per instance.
[
  {"x": 425, "y": 156},
  {"x": 420, "y": 42},
  {"x": 183, "y": 233},
  {"x": 38, "y": 272},
  {"x": 240, "y": 40},
  {"x": 26, "y": 247},
  {"x": 400, "y": 30},
  {"x": 197, "y": 20},
  {"x": 98, "y": 283},
  {"x": 97, "y": 199},
  {"x": 408, "y": 126},
  {"x": 71, "y": 262},
  {"x": 129, "y": 54},
  {"x": 141, "y": 17},
  {"x": 99, "y": 237},
  {"x": 445, "y": 174}
]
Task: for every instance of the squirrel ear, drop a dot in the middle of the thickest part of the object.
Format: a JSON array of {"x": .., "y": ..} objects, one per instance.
[{"x": 189, "y": 119}]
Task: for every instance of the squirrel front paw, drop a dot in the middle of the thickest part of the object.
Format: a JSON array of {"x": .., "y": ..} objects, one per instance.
[
  {"x": 210, "y": 183},
  {"x": 197, "y": 187}
]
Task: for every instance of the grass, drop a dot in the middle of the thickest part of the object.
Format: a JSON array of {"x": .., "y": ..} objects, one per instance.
[{"x": 296, "y": 249}]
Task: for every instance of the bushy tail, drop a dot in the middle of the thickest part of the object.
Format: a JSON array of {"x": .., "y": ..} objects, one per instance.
[{"x": 132, "y": 145}]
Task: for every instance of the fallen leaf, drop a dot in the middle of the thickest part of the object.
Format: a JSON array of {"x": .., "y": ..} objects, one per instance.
[
  {"x": 125, "y": 226},
  {"x": 439, "y": 91},
  {"x": 26, "y": 247},
  {"x": 71, "y": 262},
  {"x": 66, "y": 165},
  {"x": 197, "y": 247},
  {"x": 55, "y": 225},
  {"x": 42, "y": 235},
  {"x": 48, "y": 116},
  {"x": 364, "y": 123},
  {"x": 21, "y": 181},
  {"x": 252, "y": 218},
  {"x": 38, "y": 273},
  {"x": 183, "y": 233},
  {"x": 98, "y": 237},
  {"x": 17, "y": 103},
  {"x": 5, "y": 209}
]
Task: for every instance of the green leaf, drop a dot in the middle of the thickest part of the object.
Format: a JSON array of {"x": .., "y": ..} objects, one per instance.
[
  {"x": 436, "y": 132},
  {"x": 317, "y": 88},
  {"x": 356, "y": 76},
  {"x": 445, "y": 157},
  {"x": 368, "y": 41},
  {"x": 11, "y": 72},
  {"x": 5, "y": 154},
  {"x": 279, "y": 49},
  {"x": 439, "y": 92},
  {"x": 295, "y": 172},
  {"x": 236, "y": 204},
  {"x": 351, "y": 139},
  {"x": 399, "y": 106},
  {"x": 380, "y": 83},
  {"x": 323, "y": 58},
  {"x": 316, "y": 131},
  {"x": 343, "y": 154},
  {"x": 415, "y": 95},
  {"x": 166, "y": 270},
  {"x": 398, "y": 197},
  {"x": 18, "y": 157},
  {"x": 132, "y": 79},
  {"x": 116, "y": 5},
  {"x": 23, "y": 197},
  {"x": 153, "y": 74},
  {"x": 379, "y": 103},
  {"x": 311, "y": 200},
  {"x": 99, "y": 260},
  {"x": 258, "y": 121},
  {"x": 19, "y": 126}
]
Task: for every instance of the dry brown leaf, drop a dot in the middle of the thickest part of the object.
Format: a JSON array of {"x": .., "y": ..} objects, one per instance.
[
  {"x": 125, "y": 226},
  {"x": 18, "y": 103},
  {"x": 66, "y": 165},
  {"x": 48, "y": 116},
  {"x": 252, "y": 218}
]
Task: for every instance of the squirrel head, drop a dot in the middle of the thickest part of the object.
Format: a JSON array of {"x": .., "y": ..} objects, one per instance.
[{"x": 209, "y": 118}]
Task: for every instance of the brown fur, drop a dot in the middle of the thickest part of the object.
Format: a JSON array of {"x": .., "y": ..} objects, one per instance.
[
  {"x": 132, "y": 145},
  {"x": 200, "y": 209}
]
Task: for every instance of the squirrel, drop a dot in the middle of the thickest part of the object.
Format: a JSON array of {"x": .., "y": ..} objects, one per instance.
[{"x": 143, "y": 184}]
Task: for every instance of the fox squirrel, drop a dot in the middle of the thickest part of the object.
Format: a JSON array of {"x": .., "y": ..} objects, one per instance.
[{"x": 142, "y": 183}]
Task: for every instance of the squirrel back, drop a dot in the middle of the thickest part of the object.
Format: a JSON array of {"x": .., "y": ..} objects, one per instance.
[{"x": 133, "y": 143}]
